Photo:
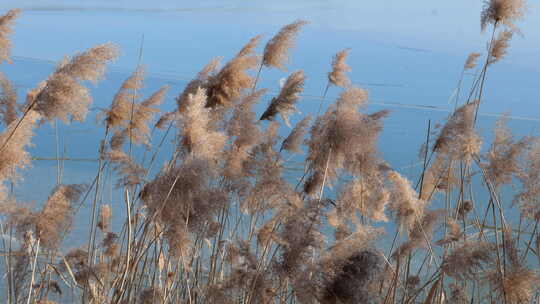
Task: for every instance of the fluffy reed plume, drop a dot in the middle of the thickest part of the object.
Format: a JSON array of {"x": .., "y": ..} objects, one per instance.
[
  {"x": 119, "y": 113},
  {"x": 421, "y": 233},
  {"x": 502, "y": 12},
  {"x": 529, "y": 176},
  {"x": 276, "y": 50},
  {"x": 453, "y": 234},
  {"x": 249, "y": 47},
  {"x": 500, "y": 46},
  {"x": 245, "y": 133},
  {"x": 8, "y": 100},
  {"x": 458, "y": 137},
  {"x": 14, "y": 139},
  {"x": 200, "y": 81},
  {"x": 197, "y": 137},
  {"x": 184, "y": 200},
  {"x": 141, "y": 115},
  {"x": 294, "y": 141},
  {"x": 62, "y": 96},
  {"x": 105, "y": 214},
  {"x": 225, "y": 87},
  {"x": 353, "y": 279},
  {"x": 404, "y": 202},
  {"x": 501, "y": 160},
  {"x": 343, "y": 138},
  {"x": 300, "y": 238},
  {"x": 368, "y": 195},
  {"x": 55, "y": 217},
  {"x": 466, "y": 260},
  {"x": 337, "y": 76},
  {"x": 518, "y": 284},
  {"x": 470, "y": 63},
  {"x": 164, "y": 119},
  {"x": 6, "y": 22},
  {"x": 284, "y": 103}
]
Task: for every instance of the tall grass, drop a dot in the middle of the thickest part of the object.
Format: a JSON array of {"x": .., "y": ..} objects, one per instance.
[{"x": 221, "y": 223}]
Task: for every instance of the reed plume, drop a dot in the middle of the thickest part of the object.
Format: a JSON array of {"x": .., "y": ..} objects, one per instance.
[
  {"x": 197, "y": 138},
  {"x": 337, "y": 76},
  {"x": 244, "y": 132},
  {"x": 404, "y": 202},
  {"x": 501, "y": 160},
  {"x": 118, "y": 114},
  {"x": 8, "y": 100},
  {"x": 284, "y": 103},
  {"x": 470, "y": 63},
  {"x": 200, "y": 81},
  {"x": 502, "y": 11},
  {"x": 15, "y": 138},
  {"x": 6, "y": 21},
  {"x": 529, "y": 176},
  {"x": 295, "y": 139},
  {"x": 500, "y": 46},
  {"x": 466, "y": 260},
  {"x": 142, "y": 114},
  {"x": 62, "y": 96},
  {"x": 276, "y": 50},
  {"x": 55, "y": 217},
  {"x": 225, "y": 87}
]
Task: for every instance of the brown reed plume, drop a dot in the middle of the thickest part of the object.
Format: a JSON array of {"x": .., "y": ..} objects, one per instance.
[
  {"x": 55, "y": 217},
  {"x": 62, "y": 96},
  {"x": 8, "y": 100},
  {"x": 16, "y": 138},
  {"x": 500, "y": 46},
  {"x": 284, "y": 103},
  {"x": 295, "y": 139},
  {"x": 119, "y": 113},
  {"x": 227, "y": 85},
  {"x": 470, "y": 63},
  {"x": 276, "y": 50},
  {"x": 337, "y": 76},
  {"x": 502, "y": 11},
  {"x": 6, "y": 22}
]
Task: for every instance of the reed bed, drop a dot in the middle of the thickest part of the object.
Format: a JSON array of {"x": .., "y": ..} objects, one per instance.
[{"x": 221, "y": 222}]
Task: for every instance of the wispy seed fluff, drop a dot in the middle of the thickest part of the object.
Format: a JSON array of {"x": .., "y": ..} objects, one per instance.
[
  {"x": 227, "y": 85},
  {"x": 470, "y": 63},
  {"x": 118, "y": 114},
  {"x": 55, "y": 217},
  {"x": 8, "y": 100},
  {"x": 62, "y": 96},
  {"x": 337, "y": 76},
  {"x": 142, "y": 114},
  {"x": 5, "y": 30},
  {"x": 14, "y": 139},
  {"x": 404, "y": 202},
  {"x": 502, "y": 11},
  {"x": 529, "y": 176},
  {"x": 276, "y": 50},
  {"x": 500, "y": 46},
  {"x": 197, "y": 138},
  {"x": 458, "y": 137},
  {"x": 284, "y": 103},
  {"x": 295, "y": 139},
  {"x": 200, "y": 81},
  {"x": 501, "y": 160}
]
